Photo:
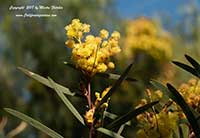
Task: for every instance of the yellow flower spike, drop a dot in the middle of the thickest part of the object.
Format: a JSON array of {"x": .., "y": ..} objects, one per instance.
[
  {"x": 145, "y": 36},
  {"x": 191, "y": 92},
  {"x": 104, "y": 34},
  {"x": 91, "y": 55},
  {"x": 157, "y": 125}
]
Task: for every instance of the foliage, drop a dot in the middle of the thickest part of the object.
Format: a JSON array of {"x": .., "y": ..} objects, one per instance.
[
  {"x": 95, "y": 113},
  {"x": 94, "y": 116},
  {"x": 186, "y": 98}
]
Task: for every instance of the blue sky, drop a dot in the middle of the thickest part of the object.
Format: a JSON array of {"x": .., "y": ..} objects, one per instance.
[{"x": 134, "y": 8}]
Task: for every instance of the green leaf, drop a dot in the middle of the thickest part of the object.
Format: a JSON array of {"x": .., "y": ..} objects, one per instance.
[
  {"x": 114, "y": 116},
  {"x": 121, "y": 129},
  {"x": 186, "y": 109},
  {"x": 110, "y": 115},
  {"x": 128, "y": 116},
  {"x": 109, "y": 133},
  {"x": 184, "y": 131},
  {"x": 34, "y": 123},
  {"x": 186, "y": 67},
  {"x": 66, "y": 101},
  {"x": 194, "y": 63},
  {"x": 114, "y": 87},
  {"x": 45, "y": 81},
  {"x": 114, "y": 76}
]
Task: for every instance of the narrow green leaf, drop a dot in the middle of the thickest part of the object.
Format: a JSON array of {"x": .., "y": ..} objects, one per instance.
[
  {"x": 194, "y": 63},
  {"x": 109, "y": 133},
  {"x": 121, "y": 129},
  {"x": 34, "y": 123},
  {"x": 114, "y": 76},
  {"x": 114, "y": 116},
  {"x": 184, "y": 131},
  {"x": 128, "y": 116},
  {"x": 186, "y": 68},
  {"x": 114, "y": 87},
  {"x": 110, "y": 115},
  {"x": 45, "y": 81},
  {"x": 186, "y": 109},
  {"x": 66, "y": 101}
]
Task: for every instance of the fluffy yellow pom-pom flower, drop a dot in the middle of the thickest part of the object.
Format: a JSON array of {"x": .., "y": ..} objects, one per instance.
[{"x": 91, "y": 53}]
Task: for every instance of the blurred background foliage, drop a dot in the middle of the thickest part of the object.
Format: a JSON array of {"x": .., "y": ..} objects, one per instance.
[{"x": 38, "y": 44}]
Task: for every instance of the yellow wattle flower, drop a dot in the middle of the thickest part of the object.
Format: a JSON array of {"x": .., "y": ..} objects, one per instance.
[
  {"x": 91, "y": 53},
  {"x": 191, "y": 92},
  {"x": 143, "y": 35},
  {"x": 99, "y": 97}
]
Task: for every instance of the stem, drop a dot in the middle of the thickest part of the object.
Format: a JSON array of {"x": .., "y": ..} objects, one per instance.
[
  {"x": 91, "y": 132},
  {"x": 89, "y": 96},
  {"x": 90, "y": 106}
]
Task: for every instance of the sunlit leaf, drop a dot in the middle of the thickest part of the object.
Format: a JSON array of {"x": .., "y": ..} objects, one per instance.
[
  {"x": 114, "y": 87},
  {"x": 110, "y": 115},
  {"x": 186, "y": 67},
  {"x": 121, "y": 129},
  {"x": 186, "y": 109},
  {"x": 114, "y": 116},
  {"x": 109, "y": 133},
  {"x": 128, "y": 116},
  {"x": 184, "y": 131},
  {"x": 66, "y": 101},
  {"x": 34, "y": 123},
  {"x": 46, "y": 81},
  {"x": 114, "y": 76}
]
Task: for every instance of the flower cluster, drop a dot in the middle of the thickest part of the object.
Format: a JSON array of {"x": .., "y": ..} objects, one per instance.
[
  {"x": 89, "y": 116},
  {"x": 159, "y": 125},
  {"x": 91, "y": 53},
  {"x": 99, "y": 97},
  {"x": 191, "y": 93},
  {"x": 156, "y": 125},
  {"x": 142, "y": 35}
]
